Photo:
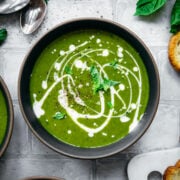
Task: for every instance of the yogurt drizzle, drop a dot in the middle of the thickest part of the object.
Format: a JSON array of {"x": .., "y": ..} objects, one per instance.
[{"x": 75, "y": 59}]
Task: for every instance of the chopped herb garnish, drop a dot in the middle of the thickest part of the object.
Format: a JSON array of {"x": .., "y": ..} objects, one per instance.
[
  {"x": 110, "y": 105},
  {"x": 68, "y": 70},
  {"x": 59, "y": 116},
  {"x": 3, "y": 35},
  {"x": 114, "y": 64},
  {"x": 100, "y": 83}
]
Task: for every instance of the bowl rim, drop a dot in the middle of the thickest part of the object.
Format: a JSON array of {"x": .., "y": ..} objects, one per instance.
[
  {"x": 10, "y": 114},
  {"x": 42, "y": 178},
  {"x": 110, "y": 22}
]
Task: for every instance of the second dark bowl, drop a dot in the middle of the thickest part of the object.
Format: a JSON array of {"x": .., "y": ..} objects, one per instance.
[{"x": 10, "y": 120}]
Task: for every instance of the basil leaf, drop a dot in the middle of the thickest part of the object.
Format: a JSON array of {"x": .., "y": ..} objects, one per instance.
[
  {"x": 175, "y": 17},
  {"x": 3, "y": 35},
  {"x": 110, "y": 105},
  {"x": 68, "y": 70},
  {"x": 100, "y": 83},
  {"x": 147, "y": 7},
  {"x": 59, "y": 116}
]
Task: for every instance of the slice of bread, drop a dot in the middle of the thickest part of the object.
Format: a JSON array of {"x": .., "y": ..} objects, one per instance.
[
  {"x": 172, "y": 172},
  {"x": 174, "y": 51}
]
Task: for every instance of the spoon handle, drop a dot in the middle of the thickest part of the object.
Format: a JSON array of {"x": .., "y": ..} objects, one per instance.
[{"x": 10, "y": 6}]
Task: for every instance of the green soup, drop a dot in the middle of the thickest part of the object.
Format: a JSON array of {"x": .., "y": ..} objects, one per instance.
[
  {"x": 3, "y": 117},
  {"x": 89, "y": 88}
]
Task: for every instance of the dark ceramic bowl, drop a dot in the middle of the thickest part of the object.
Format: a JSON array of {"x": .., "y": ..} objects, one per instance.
[
  {"x": 88, "y": 153},
  {"x": 42, "y": 178},
  {"x": 9, "y": 128}
]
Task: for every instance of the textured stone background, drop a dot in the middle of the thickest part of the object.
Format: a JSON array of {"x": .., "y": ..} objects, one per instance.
[{"x": 26, "y": 155}]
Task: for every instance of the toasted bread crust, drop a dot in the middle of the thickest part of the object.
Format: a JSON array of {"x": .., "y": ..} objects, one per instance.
[
  {"x": 178, "y": 164},
  {"x": 174, "y": 51},
  {"x": 172, "y": 172}
]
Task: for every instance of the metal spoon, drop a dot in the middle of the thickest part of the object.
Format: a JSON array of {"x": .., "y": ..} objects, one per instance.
[
  {"x": 32, "y": 16},
  {"x": 10, "y": 6}
]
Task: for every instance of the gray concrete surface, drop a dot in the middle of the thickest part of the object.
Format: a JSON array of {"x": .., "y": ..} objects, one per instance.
[{"x": 26, "y": 156}]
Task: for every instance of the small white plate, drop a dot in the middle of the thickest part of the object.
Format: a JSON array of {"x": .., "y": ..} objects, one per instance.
[
  {"x": 142, "y": 165},
  {"x": 10, "y": 6}
]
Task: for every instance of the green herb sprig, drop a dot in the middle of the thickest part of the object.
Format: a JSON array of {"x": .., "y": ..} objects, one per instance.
[
  {"x": 175, "y": 17},
  {"x": 110, "y": 105},
  {"x": 68, "y": 70},
  {"x": 147, "y": 7},
  {"x": 100, "y": 83},
  {"x": 59, "y": 116},
  {"x": 3, "y": 35}
]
